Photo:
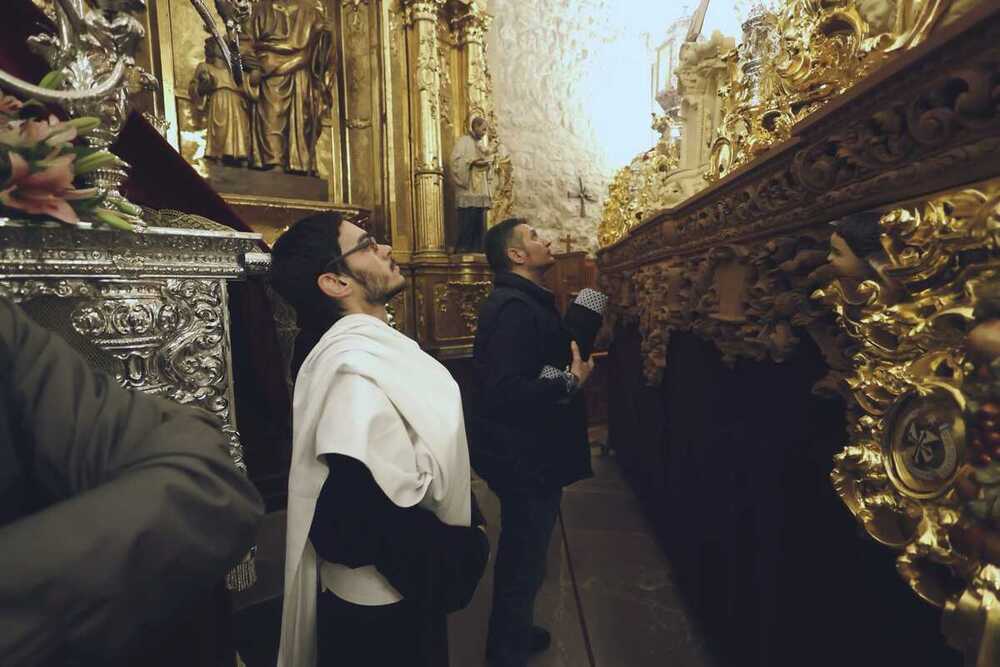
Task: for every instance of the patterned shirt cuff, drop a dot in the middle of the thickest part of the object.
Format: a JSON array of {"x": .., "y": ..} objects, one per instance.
[
  {"x": 592, "y": 300},
  {"x": 553, "y": 373}
]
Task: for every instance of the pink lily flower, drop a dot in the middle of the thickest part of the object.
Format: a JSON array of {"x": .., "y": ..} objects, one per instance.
[
  {"x": 10, "y": 104},
  {"x": 29, "y": 133},
  {"x": 47, "y": 192}
]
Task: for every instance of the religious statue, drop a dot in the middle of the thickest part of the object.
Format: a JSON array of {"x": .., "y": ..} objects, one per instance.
[
  {"x": 857, "y": 255},
  {"x": 293, "y": 64},
  {"x": 225, "y": 105},
  {"x": 859, "y": 260},
  {"x": 469, "y": 166}
]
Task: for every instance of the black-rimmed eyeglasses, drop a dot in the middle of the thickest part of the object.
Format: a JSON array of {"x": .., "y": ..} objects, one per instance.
[{"x": 367, "y": 243}]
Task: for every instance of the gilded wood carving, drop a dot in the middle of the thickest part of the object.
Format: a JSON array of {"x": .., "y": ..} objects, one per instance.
[
  {"x": 913, "y": 347},
  {"x": 751, "y": 300},
  {"x": 924, "y": 400},
  {"x": 789, "y": 65},
  {"x": 467, "y": 298},
  {"x": 922, "y": 469},
  {"x": 912, "y": 127}
]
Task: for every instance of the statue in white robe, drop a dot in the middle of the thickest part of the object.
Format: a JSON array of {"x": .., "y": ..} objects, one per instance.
[{"x": 470, "y": 171}]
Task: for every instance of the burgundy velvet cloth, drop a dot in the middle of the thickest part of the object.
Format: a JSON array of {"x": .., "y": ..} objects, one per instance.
[{"x": 21, "y": 19}]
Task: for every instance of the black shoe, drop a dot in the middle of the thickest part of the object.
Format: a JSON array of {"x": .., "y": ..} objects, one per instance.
[{"x": 540, "y": 639}]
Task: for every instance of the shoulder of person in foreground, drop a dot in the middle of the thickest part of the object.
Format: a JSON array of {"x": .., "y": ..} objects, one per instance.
[{"x": 144, "y": 507}]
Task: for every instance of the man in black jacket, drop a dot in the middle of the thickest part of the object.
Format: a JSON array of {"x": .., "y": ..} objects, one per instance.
[{"x": 529, "y": 439}]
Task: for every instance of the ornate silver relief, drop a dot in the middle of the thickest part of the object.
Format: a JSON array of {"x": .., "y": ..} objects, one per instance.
[{"x": 150, "y": 308}]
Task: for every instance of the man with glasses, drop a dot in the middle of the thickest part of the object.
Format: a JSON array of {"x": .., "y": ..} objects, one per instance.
[{"x": 381, "y": 520}]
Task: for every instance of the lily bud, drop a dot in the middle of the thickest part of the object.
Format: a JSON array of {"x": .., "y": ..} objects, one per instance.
[{"x": 84, "y": 124}]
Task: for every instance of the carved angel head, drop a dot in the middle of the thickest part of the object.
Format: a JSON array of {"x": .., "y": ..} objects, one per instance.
[{"x": 856, "y": 238}]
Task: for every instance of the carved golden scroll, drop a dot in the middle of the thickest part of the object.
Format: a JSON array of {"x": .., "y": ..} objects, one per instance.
[{"x": 922, "y": 469}]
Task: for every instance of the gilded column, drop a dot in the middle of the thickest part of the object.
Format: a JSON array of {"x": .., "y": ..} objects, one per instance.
[
  {"x": 472, "y": 28},
  {"x": 421, "y": 18}
]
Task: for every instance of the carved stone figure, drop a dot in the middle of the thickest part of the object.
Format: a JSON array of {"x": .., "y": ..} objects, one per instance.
[
  {"x": 225, "y": 106},
  {"x": 293, "y": 65}
]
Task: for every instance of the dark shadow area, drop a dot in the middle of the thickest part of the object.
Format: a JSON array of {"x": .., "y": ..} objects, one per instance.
[{"x": 732, "y": 467}]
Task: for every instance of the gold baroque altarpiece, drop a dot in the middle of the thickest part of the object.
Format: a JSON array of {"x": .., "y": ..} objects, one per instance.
[
  {"x": 392, "y": 84},
  {"x": 792, "y": 62},
  {"x": 915, "y": 349}
]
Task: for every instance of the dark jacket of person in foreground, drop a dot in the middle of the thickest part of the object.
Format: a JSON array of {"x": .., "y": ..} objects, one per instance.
[
  {"x": 528, "y": 432},
  {"x": 115, "y": 507}
]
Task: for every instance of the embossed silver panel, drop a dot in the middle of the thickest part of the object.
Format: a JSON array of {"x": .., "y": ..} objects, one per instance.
[{"x": 149, "y": 308}]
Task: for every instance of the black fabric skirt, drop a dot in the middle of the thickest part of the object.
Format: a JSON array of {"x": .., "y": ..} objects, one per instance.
[{"x": 351, "y": 635}]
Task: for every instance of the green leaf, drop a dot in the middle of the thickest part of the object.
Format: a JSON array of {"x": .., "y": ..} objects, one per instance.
[
  {"x": 128, "y": 207},
  {"x": 94, "y": 162},
  {"x": 52, "y": 80},
  {"x": 84, "y": 124},
  {"x": 36, "y": 153},
  {"x": 112, "y": 219},
  {"x": 85, "y": 207},
  {"x": 83, "y": 151}
]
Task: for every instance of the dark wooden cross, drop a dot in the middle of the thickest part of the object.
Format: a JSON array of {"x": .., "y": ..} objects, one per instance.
[
  {"x": 568, "y": 239},
  {"x": 584, "y": 196}
]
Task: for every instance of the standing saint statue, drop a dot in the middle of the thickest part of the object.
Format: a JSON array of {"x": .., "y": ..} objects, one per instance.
[
  {"x": 294, "y": 68},
  {"x": 469, "y": 166},
  {"x": 225, "y": 105}
]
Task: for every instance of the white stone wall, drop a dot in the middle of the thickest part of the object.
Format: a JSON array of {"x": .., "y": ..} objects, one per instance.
[
  {"x": 540, "y": 53},
  {"x": 543, "y": 56}
]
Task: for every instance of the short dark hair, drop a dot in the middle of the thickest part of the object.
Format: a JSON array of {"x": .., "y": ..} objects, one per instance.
[
  {"x": 497, "y": 240},
  {"x": 298, "y": 258},
  {"x": 861, "y": 232}
]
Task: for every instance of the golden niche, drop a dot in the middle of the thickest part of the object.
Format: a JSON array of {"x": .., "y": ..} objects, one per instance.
[{"x": 276, "y": 133}]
